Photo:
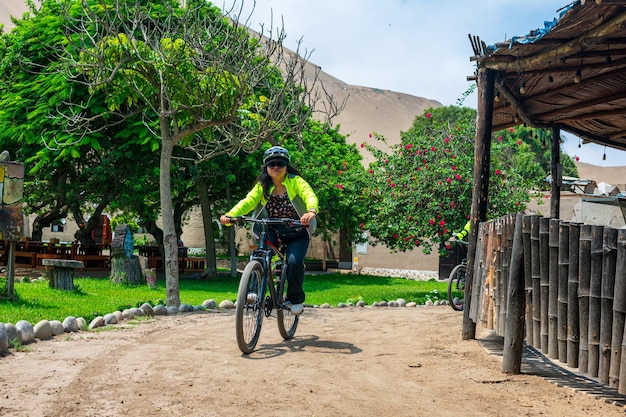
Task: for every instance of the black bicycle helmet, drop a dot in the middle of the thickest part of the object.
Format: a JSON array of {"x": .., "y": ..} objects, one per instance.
[{"x": 276, "y": 152}]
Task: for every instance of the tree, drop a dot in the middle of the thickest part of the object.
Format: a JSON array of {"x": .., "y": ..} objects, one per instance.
[
  {"x": 186, "y": 69},
  {"x": 420, "y": 192}
]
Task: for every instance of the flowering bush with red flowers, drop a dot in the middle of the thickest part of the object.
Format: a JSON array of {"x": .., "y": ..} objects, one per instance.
[{"x": 432, "y": 170}]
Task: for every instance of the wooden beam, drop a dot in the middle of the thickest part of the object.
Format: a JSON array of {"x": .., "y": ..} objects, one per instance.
[{"x": 512, "y": 98}]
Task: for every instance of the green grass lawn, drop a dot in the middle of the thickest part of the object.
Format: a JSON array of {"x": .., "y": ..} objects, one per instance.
[{"x": 97, "y": 296}]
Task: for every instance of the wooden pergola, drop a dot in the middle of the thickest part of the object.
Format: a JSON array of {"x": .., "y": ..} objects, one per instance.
[{"x": 569, "y": 75}]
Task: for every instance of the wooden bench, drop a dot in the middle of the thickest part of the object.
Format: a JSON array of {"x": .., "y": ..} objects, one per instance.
[{"x": 62, "y": 272}]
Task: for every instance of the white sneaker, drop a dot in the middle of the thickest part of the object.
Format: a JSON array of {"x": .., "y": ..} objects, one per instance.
[{"x": 297, "y": 309}]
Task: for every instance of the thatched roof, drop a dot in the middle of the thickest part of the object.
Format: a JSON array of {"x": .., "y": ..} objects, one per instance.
[{"x": 571, "y": 74}]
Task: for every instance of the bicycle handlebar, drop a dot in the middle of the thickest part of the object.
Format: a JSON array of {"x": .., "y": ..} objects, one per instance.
[{"x": 241, "y": 220}]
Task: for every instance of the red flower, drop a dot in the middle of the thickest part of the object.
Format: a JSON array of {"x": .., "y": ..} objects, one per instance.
[
  {"x": 500, "y": 138},
  {"x": 448, "y": 246},
  {"x": 448, "y": 180},
  {"x": 371, "y": 171},
  {"x": 395, "y": 235},
  {"x": 340, "y": 186},
  {"x": 442, "y": 223},
  {"x": 519, "y": 142},
  {"x": 457, "y": 177},
  {"x": 453, "y": 167},
  {"x": 409, "y": 146},
  {"x": 428, "y": 115},
  {"x": 577, "y": 158},
  {"x": 432, "y": 148},
  {"x": 498, "y": 172},
  {"x": 362, "y": 145},
  {"x": 431, "y": 222},
  {"x": 446, "y": 140},
  {"x": 370, "y": 135},
  {"x": 417, "y": 243},
  {"x": 452, "y": 204},
  {"x": 361, "y": 225},
  {"x": 510, "y": 130},
  {"x": 338, "y": 172}
]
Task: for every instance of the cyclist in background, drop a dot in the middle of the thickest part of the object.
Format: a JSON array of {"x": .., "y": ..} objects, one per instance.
[
  {"x": 463, "y": 233},
  {"x": 281, "y": 192}
]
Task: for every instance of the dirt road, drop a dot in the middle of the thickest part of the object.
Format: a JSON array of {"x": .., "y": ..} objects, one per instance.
[{"x": 342, "y": 362}]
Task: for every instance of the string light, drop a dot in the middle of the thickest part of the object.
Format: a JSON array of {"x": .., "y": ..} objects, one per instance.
[
  {"x": 578, "y": 76},
  {"x": 604, "y": 156},
  {"x": 497, "y": 96},
  {"x": 522, "y": 88}
]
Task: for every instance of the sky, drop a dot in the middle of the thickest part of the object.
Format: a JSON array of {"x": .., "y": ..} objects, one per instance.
[{"x": 417, "y": 47}]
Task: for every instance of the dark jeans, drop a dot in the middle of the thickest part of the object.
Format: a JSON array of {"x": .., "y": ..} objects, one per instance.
[{"x": 297, "y": 247}]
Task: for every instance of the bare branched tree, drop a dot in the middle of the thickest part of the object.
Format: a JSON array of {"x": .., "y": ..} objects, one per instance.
[{"x": 199, "y": 78}]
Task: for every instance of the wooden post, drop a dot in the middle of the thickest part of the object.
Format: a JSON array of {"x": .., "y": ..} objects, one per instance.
[
  {"x": 620, "y": 301},
  {"x": 573, "y": 328},
  {"x": 555, "y": 170},
  {"x": 514, "y": 328},
  {"x": 609, "y": 243},
  {"x": 619, "y": 312},
  {"x": 595, "y": 288},
  {"x": 563, "y": 266},
  {"x": 553, "y": 301},
  {"x": 584, "y": 281},
  {"x": 11, "y": 270},
  {"x": 535, "y": 271},
  {"x": 544, "y": 268},
  {"x": 480, "y": 195},
  {"x": 528, "y": 282}
]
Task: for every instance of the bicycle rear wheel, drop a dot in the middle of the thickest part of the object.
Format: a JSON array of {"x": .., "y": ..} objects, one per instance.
[
  {"x": 456, "y": 283},
  {"x": 287, "y": 322},
  {"x": 249, "y": 312}
]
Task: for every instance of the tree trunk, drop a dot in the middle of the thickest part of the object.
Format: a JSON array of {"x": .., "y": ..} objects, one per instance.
[
  {"x": 126, "y": 270},
  {"x": 209, "y": 237},
  {"x": 231, "y": 240},
  {"x": 44, "y": 220},
  {"x": 170, "y": 242}
]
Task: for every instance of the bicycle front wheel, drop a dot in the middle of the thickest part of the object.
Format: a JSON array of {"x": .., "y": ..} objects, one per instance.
[
  {"x": 249, "y": 312},
  {"x": 456, "y": 283},
  {"x": 287, "y": 322}
]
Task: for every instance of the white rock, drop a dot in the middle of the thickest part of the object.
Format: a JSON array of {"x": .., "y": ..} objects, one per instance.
[
  {"x": 227, "y": 304},
  {"x": 70, "y": 324},
  {"x": 110, "y": 319},
  {"x": 57, "y": 327},
  {"x": 147, "y": 309},
  {"x": 159, "y": 310},
  {"x": 43, "y": 330},
  {"x": 172, "y": 310},
  {"x": 27, "y": 333},
  {"x": 96, "y": 322},
  {"x": 4, "y": 341},
  {"x": 13, "y": 335},
  {"x": 209, "y": 304},
  {"x": 82, "y": 323}
]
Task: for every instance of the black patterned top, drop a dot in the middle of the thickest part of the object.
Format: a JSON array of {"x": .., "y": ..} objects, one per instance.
[{"x": 279, "y": 207}]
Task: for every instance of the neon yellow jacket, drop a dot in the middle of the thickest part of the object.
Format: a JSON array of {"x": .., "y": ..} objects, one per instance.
[
  {"x": 300, "y": 194},
  {"x": 461, "y": 235}
]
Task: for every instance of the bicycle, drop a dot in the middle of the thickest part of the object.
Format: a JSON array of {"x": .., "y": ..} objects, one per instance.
[
  {"x": 456, "y": 282},
  {"x": 258, "y": 294}
]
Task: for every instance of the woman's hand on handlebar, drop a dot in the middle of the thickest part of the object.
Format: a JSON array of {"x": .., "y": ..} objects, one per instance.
[
  {"x": 227, "y": 220},
  {"x": 306, "y": 218}
]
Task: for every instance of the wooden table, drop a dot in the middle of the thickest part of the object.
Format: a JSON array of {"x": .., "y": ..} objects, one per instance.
[{"x": 62, "y": 276}]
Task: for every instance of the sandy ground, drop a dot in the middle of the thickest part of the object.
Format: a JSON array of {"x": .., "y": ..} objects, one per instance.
[{"x": 342, "y": 362}]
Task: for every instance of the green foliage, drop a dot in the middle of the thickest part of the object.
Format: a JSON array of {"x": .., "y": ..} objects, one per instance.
[{"x": 421, "y": 191}]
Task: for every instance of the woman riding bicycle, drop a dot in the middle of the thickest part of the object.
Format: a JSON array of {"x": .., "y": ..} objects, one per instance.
[{"x": 281, "y": 192}]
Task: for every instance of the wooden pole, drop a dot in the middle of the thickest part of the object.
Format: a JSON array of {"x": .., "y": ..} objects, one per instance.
[
  {"x": 619, "y": 312},
  {"x": 595, "y": 288},
  {"x": 514, "y": 329},
  {"x": 563, "y": 267},
  {"x": 584, "y": 281},
  {"x": 553, "y": 301},
  {"x": 609, "y": 243},
  {"x": 544, "y": 267},
  {"x": 555, "y": 170},
  {"x": 11, "y": 271},
  {"x": 528, "y": 282},
  {"x": 482, "y": 161},
  {"x": 620, "y": 301},
  {"x": 573, "y": 328},
  {"x": 536, "y": 280}
]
